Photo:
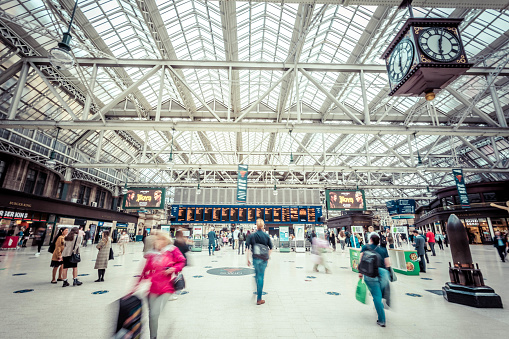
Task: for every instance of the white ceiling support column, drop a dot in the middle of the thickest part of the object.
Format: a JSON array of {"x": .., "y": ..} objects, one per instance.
[
  {"x": 154, "y": 157},
  {"x": 496, "y": 103},
  {"x": 305, "y": 149},
  {"x": 228, "y": 118},
  {"x": 88, "y": 102},
  {"x": 55, "y": 93},
  {"x": 495, "y": 150},
  {"x": 389, "y": 148},
  {"x": 10, "y": 72},
  {"x": 129, "y": 90},
  {"x": 125, "y": 148},
  {"x": 476, "y": 110},
  {"x": 145, "y": 144},
  {"x": 99, "y": 146},
  {"x": 13, "y": 109},
  {"x": 476, "y": 151},
  {"x": 410, "y": 149},
  {"x": 160, "y": 96},
  {"x": 264, "y": 95},
  {"x": 365, "y": 102},
  {"x": 331, "y": 97},
  {"x": 192, "y": 92}
]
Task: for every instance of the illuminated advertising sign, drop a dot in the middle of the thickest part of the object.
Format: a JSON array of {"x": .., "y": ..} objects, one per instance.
[
  {"x": 148, "y": 198},
  {"x": 346, "y": 200}
]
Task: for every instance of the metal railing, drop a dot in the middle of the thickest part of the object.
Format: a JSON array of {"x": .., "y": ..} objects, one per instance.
[{"x": 455, "y": 207}]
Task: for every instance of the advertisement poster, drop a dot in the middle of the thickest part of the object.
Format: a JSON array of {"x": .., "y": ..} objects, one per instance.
[
  {"x": 146, "y": 198},
  {"x": 197, "y": 232},
  {"x": 357, "y": 229},
  {"x": 354, "y": 259},
  {"x": 462, "y": 189},
  {"x": 242, "y": 183},
  {"x": 412, "y": 263},
  {"x": 299, "y": 232},
  {"x": 10, "y": 242},
  {"x": 343, "y": 200},
  {"x": 284, "y": 233},
  {"x": 320, "y": 232}
]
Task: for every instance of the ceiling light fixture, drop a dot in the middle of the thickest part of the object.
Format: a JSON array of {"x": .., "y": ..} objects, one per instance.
[
  {"x": 125, "y": 189},
  {"x": 170, "y": 161},
  {"x": 291, "y": 165},
  {"x": 419, "y": 160},
  {"x": 61, "y": 56},
  {"x": 51, "y": 162}
]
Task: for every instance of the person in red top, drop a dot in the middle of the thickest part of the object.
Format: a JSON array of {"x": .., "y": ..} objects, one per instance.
[
  {"x": 161, "y": 266},
  {"x": 430, "y": 238}
]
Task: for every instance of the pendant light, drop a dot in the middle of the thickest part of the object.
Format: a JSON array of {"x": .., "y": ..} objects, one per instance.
[
  {"x": 419, "y": 160},
  {"x": 61, "y": 56},
  {"x": 198, "y": 189},
  {"x": 171, "y": 163},
  {"x": 291, "y": 165},
  {"x": 125, "y": 190},
  {"x": 51, "y": 162}
]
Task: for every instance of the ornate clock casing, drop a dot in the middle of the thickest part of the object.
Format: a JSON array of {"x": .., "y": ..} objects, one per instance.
[{"x": 437, "y": 58}]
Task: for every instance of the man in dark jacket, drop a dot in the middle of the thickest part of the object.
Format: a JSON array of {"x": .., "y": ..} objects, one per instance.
[
  {"x": 419, "y": 242},
  {"x": 500, "y": 243}
]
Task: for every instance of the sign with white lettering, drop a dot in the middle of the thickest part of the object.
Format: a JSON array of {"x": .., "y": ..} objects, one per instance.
[
  {"x": 242, "y": 183},
  {"x": 460, "y": 185}
]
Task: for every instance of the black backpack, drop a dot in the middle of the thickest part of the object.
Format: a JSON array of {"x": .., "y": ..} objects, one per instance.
[
  {"x": 241, "y": 237},
  {"x": 370, "y": 262}
]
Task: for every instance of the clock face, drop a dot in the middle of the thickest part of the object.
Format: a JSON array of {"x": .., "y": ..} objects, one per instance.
[
  {"x": 440, "y": 44},
  {"x": 401, "y": 60}
]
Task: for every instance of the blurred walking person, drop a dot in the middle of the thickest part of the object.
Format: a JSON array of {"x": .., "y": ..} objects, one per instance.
[
  {"x": 212, "y": 240},
  {"x": 242, "y": 239},
  {"x": 40, "y": 235},
  {"x": 260, "y": 245},
  {"x": 103, "y": 256},
  {"x": 342, "y": 239},
  {"x": 439, "y": 238},
  {"x": 500, "y": 243},
  {"x": 320, "y": 247},
  {"x": 122, "y": 242},
  {"x": 332, "y": 240},
  {"x": 72, "y": 245},
  {"x": 162, "y": 264},
  {"x": 57, "y": 261}
]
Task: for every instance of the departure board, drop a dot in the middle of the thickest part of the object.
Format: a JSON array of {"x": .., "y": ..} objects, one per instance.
[
  {"x": 190, "y": 214},
  {"x": 199, "y": 214},
  {"x": 294, "y": 211},
  {"x": 242, "y": 214},
  {"x": 208, "y": 214},
  {"x": 277, "y": 214},
  {"x": 225, "y": 214},
  {"x": 251, "y": 214},
  {"x": 182, "y": 214},
  {"x": 303, "y": 216},
  {"x": 259, "y": 213},
  {"x": 234, "y": 214},
  {"x": 216, "y": 216},
  {"x": 311, "y": 215},
  {"x": 268, "y": 214},
  {"x": 286, "y": 214}
]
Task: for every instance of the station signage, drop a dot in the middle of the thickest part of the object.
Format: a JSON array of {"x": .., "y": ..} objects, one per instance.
[{"x": 459, "y": 178}]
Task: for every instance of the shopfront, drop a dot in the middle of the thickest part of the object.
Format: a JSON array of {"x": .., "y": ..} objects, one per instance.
[{"x": 478, "y": 230}]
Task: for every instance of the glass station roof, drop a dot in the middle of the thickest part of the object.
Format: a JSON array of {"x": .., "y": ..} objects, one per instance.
[{"x": 256, "y": 32}]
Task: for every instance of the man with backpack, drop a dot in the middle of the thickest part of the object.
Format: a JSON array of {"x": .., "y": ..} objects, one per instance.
[
  {"x": 374, "y": 265},
  {"x": 261, "y": 246},
  {"x": 419, "y": 244},
  {"x": 242, "y": 238}
]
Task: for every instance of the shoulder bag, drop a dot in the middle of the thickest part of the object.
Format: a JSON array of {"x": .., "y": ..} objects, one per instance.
[
  {"x": 75, "y": 257},
  {"x": 260, "y": 251},
  {"x": 111, "y": 254}
]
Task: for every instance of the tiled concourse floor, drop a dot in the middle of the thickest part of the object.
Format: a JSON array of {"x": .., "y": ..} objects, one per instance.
[{"x": 297, "y": 303}]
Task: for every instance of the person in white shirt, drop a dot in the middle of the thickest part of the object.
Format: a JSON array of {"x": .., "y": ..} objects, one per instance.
[
  {"x": 122, "y": 241},
  {"x": 236, "y": 238}
]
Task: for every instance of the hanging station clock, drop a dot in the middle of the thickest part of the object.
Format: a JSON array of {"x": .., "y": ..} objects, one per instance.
[{"x": 425, "y": 56}]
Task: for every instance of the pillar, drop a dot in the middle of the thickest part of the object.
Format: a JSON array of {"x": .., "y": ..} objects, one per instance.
[{"x": 67, "y": 183}]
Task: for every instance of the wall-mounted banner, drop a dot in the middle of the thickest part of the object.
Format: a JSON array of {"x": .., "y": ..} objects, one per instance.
[
  {"x": 460, "y": 185},
  {"x": 144, "y": 198},
  {"x": 242, "y": 183}
]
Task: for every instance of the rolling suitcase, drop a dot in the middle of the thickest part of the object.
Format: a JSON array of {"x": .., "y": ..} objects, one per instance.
[{"x": 129, "y": 318}]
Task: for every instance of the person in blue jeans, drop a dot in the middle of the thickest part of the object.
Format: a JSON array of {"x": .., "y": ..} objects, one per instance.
[
  {"x": 378, "y": 286},
  {"x": 260, "y": 245},
  {"x": 212, "y": 240}
]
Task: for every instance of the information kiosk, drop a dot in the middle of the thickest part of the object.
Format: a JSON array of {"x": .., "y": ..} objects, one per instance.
[{"x": 197, "y": 239}]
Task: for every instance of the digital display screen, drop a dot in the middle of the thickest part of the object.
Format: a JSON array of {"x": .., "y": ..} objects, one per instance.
[
  {"x": 311, "y": 215},
  {"x": 217, "y": 214},
  {"x": 294, "y": 211},
  {"x": 345, "y": 200},
  {"x": 242, "y": 214},
  {"x": 144, "y": 198},
  {"x": 182, "y": 214},
  {"x": 190, "y": 214},
  {"x": 277, "y": 214},
  {"x": 199, "y": 214},
  {"x": 303, "y": 216},
  {"x": 251, "y": 214},
  {"x": 208, "y": 214},
  {"x": 259, "y": 213},
  {"x": 268, "y": 214},
  {"x": 234, "y": 214},
  {"x": 225, "y": 214},
  {"x": 286, "y": 214}
]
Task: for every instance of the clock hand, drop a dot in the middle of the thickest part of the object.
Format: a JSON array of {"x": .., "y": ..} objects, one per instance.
[{"x": 440, "y": 50}]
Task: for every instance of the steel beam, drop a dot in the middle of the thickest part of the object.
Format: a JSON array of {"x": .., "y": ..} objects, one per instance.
[
  {"x": 13, "y": 109},
  {"x": 266, "y": 127},
  {"x": 301, "y": 168},
  {"x": 244, "y": 65}
]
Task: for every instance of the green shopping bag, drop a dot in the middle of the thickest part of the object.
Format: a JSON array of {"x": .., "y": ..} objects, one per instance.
[{"x": 360, "y": 293}]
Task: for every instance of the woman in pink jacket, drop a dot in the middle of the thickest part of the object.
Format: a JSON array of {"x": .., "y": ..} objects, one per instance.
[{"x": 162, "y": 265}]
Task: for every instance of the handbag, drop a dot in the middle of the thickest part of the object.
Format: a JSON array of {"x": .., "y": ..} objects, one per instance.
[
  {"x": 75, "y": 257},
  {"x": 361, "y": 291},
  {"x": 392, "y": 275},
  {"x": 51, "y": 247},
  {"x": 111, "y": 254},
  {"x": 179, "y": 283}
]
